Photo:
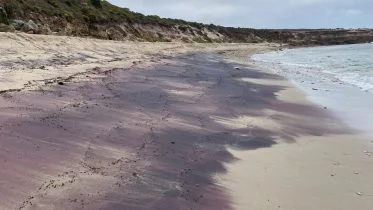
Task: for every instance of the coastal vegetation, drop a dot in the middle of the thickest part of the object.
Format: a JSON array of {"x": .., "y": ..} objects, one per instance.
[{"x": 100, "y": 19}]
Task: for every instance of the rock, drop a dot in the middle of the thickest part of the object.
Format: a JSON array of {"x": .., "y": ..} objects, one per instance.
[
  {"x": 114, "y": 34},
  {"x": 172, "y": 142},
  {"x": 28, "y": 27},
  {"x": 237, "y": 68},
  {"x": 6, "y": 28},
  {"x": 31, "y": 27},
  {"x": 18, "y": 24},
  {"x": 61, "y": 83},
  {"x": 3, "y": 16},
  {"x": 315, "y": 89},
  {"x": 45, "y": 29}
]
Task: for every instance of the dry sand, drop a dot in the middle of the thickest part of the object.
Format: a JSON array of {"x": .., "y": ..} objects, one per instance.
[
  {"x": 166, "y": 126},
  {"x": 28, "y": 60}
]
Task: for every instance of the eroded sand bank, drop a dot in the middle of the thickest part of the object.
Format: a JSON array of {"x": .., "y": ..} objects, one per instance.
[{"x": 163, "y": 126}]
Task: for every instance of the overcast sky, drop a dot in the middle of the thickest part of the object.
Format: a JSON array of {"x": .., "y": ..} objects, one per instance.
[{"x": 262, "y": 13}]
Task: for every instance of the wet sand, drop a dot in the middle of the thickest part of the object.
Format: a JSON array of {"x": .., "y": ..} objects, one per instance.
[
  {"x": 179, "y": 127},
  {"x": 323, "y": 164}
]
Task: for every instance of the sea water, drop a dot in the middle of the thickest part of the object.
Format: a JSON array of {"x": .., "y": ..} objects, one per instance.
[{"x": 338, "y": 77}]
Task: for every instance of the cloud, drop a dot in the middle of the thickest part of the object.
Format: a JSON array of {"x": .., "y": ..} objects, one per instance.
[
  {"x": 189, "y": 9},
  {"x": 262, "y": 13},
  {"x": 353, "y": 12}
]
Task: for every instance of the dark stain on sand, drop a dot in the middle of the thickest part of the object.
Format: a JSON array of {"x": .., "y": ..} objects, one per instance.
[{"x": 144, "y": 138}]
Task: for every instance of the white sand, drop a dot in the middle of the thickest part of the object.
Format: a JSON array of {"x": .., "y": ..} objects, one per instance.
[{"x": 28, "y": 60}]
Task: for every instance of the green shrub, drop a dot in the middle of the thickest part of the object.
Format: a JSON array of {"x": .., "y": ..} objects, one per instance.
[
  {"x": 3, "y": 16},
  {"x": 96, "y": 3}
]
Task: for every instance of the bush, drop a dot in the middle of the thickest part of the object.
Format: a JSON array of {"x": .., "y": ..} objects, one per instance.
[
  {"x": 96, "y": 3},
  {"x": 3, "y": 16}
]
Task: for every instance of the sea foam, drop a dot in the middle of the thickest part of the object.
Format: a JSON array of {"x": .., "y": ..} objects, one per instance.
[{"x": 338, "y": 77}]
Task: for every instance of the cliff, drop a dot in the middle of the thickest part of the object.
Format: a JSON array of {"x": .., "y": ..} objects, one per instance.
[{"x": 100, "y": 19}]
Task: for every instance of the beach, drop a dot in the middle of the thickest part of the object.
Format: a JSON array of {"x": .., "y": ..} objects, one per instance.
[{"x": 95, "y": 124}]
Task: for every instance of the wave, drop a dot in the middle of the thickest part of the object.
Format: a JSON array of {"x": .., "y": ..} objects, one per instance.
[{"x": 350, "y": 64}]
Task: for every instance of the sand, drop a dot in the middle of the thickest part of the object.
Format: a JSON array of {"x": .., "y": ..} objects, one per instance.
[
  {"x": 93, "y": 124},
  {"x": 314, "y": 171},
  {"x": 27, "y": 60}
]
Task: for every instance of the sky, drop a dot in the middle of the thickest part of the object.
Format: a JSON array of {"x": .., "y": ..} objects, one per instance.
[{"x": 261, "y": 13}]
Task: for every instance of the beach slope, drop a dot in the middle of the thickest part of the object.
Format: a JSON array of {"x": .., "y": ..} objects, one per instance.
[{"x": 89, "y": 124}]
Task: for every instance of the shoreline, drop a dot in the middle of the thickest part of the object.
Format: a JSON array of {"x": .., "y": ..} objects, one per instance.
[
  {"x": 310, "y": 173},
  {"x": 329, "y": 90},
  {"x": 163, "y": 126}
]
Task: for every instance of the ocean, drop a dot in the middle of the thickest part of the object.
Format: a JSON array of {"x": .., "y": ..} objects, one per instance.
[{"x": 338, "y": 77}]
